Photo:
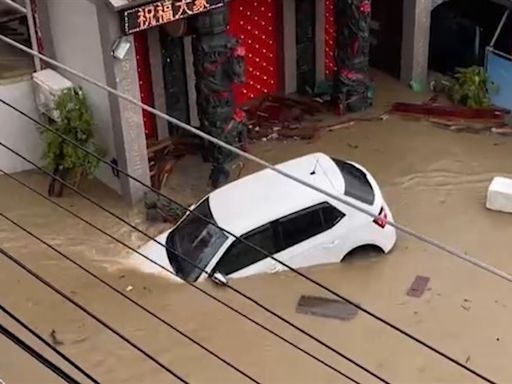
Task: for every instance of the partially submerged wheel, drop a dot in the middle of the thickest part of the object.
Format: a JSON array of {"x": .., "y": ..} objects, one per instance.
[{"x": 367, "y": 250}]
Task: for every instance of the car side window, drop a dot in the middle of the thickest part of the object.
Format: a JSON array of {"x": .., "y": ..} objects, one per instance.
[
  {"x": 331, "y": 216},
  {"x": 240, "y": 255},
  {"x": 299, "y": 227},
  {"x": 305, "y": 224}
]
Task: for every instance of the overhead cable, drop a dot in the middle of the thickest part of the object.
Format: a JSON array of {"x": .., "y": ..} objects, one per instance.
[
  {"x": 22, "y": 324},
  {"x": 461, "y": 255},
  {"x": 298, "y": 180},
  {"x": 68, "y": 298},
  {"x": 122, "y": 294},
  {"x": 306, "y": 277},
  {"x": 37, "y": 356},
  {"x": 223, "y": 303}
]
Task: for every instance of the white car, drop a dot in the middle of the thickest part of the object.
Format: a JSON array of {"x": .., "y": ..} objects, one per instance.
[{"x": 293, "y": 223}]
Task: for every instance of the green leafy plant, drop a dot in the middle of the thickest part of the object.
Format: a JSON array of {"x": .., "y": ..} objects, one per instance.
[
  {"x": 74, "y": 122},
  {"x": 470, "y": 87}
]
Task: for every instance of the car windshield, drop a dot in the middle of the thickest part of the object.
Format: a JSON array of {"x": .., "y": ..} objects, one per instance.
[{"x": 196, "y": 240}]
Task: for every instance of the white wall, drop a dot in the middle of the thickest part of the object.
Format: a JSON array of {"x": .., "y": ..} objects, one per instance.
[
  {"x": 77, "y": 43},
  {"x": 17, "y": 131}
]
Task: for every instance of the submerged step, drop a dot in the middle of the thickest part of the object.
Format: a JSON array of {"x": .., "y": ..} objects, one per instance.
[{"x": 499, "y": 195}]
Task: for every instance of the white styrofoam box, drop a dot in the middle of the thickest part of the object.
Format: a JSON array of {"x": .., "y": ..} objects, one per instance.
[
  {"x": 48, "y": 85},
  {"x": 499, "y": 195}
]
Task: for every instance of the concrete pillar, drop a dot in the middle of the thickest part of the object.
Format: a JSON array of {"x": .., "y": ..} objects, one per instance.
[
  {"x": 289, "y": 46},
  {"x": 127, "y": 123},
  {"x": 415, "y": 41},
  {"x": 191, "y": 81},
  {"x": 32, "y": 29},
  {"x": 320, "y": 40},
  {"x": 157, "y": 77},
  {"x": 45, "y": 28}
]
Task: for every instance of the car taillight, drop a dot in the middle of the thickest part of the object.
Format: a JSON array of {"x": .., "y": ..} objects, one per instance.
[{"x": 382, "y": 220}]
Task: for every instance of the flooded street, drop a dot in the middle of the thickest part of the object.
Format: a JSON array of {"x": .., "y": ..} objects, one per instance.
[{"x": 434, "y": 181}]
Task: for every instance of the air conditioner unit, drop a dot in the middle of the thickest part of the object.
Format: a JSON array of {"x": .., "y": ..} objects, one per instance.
[{"x": 48, "y": 85}]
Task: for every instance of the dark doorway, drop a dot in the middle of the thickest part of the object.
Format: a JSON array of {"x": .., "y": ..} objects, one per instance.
[
  {"x": 460, "y": 32},
  {"x": 305, "y": 38},
  {"x": 386, "y": 36},
  {"x": 175, "y": 78}
]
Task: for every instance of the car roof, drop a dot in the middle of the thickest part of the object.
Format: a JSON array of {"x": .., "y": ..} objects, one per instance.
[{"x": 265, "y": 196}]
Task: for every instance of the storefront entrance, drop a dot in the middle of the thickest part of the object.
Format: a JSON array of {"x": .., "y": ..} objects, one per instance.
[
  {"x": 175, "y": 78},
  {"x": 305, "y": 38},
  {"x": 386, "y": 49}
]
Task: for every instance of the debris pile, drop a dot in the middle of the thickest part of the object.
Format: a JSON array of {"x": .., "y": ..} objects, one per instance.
[
  {"x": 283, "y": 118},
  {"x": 457, "y": 118},
  {"x": 164, "y": 154},
  {"x": 160, "y": 209}
]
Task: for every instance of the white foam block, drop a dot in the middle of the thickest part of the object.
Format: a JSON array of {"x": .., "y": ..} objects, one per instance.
[{"x": 499, "y": 195}]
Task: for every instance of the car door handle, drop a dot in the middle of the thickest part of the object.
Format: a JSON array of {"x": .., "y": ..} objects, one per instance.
[{"x": 331, "y": 244}]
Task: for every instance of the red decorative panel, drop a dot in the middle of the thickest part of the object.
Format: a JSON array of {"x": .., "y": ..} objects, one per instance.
[
  {"x": 330, "y": 38},
  {"x": 145, "y": 82},
  {"x": 257, "y": 24},
  {"x": 35, "y": 18}
]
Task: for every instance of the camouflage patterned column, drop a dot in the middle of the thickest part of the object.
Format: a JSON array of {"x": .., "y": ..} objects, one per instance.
[
  {"x": 219, "y": 63},
  {"x": 353, "y": 89}
]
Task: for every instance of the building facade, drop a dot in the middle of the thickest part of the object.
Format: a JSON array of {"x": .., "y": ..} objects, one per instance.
[{"x": 144, "y": 49}]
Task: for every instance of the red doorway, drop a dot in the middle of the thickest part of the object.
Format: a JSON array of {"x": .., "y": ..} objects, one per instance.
[{"x": 257, "y": 23}]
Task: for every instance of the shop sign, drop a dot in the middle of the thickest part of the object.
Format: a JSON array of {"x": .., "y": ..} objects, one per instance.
[{"x": 165, "y": 11}]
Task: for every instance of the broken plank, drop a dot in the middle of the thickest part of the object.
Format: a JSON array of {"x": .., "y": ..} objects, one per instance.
[{"x": 428, "y": 110}]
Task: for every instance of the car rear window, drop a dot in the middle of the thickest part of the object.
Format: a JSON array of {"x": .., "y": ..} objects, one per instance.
[{"x": 357, "y": 185}]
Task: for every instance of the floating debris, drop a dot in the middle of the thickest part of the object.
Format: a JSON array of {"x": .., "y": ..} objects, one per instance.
[
  {"x": 328, "y": 308},
  {"x": 418, "y": 286},
  {"x": 281, "y": 118},
  {"x": 54, "y": 339}
]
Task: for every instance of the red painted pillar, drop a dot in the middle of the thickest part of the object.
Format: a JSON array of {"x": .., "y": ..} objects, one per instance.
[
  {"x": 145, "y": 82},
  {"x": 330, "y": 38},
  {"x": 37, "y": 27}
]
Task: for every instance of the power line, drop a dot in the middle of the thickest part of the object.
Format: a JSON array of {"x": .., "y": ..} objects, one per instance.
[
  {"x": 207, "y": 137},
  {"x": 228, "y": 306},
  {"x": 15, "y": 5},
  {"x": 138, "y": 305},
  {"x": 37, "y": 356},
  {"x": 89, "y": 313},
  {"x": 298, "y": 180},
  {"x": 48, "y": 344},
  {"x": 306, "y": 277}
]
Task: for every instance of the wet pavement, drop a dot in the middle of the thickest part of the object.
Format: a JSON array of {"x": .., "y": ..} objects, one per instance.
[{"x": 435, "y": 182}]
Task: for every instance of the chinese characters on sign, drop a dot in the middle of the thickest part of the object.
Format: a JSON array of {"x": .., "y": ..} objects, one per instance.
[{"x": 165, "y": 11}]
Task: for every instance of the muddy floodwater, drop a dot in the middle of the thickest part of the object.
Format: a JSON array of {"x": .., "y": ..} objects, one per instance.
[{"x": 435, "y": 182}]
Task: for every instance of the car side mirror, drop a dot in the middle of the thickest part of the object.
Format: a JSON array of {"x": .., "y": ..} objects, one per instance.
[{"x": 219, "y": 278}]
